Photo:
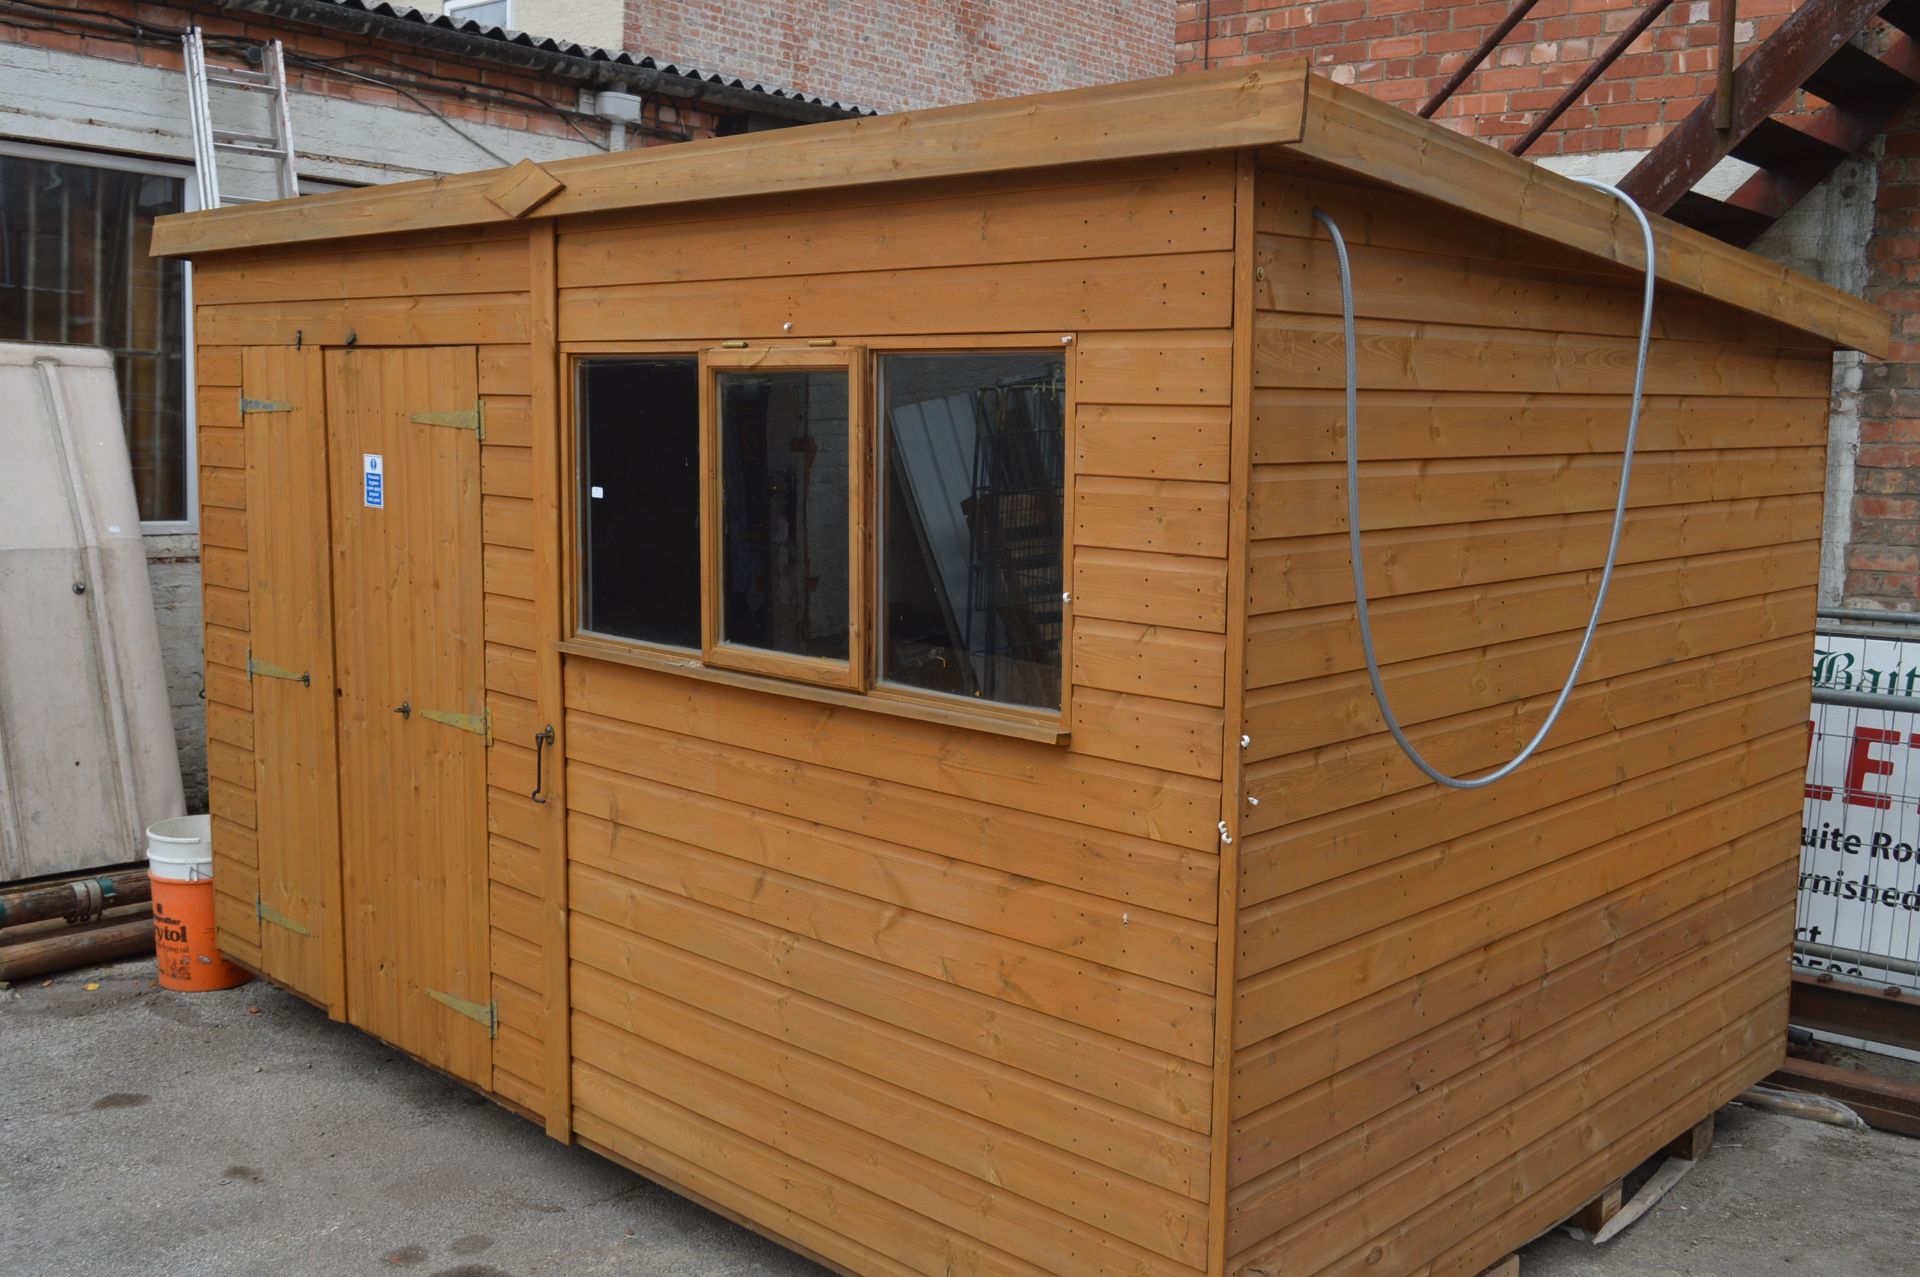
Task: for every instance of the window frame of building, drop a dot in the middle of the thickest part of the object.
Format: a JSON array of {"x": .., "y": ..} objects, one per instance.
[
  {"x": 79, "y": 157},
  {"x": 856, "y": 681},
  {"x": 456, "y": 10}
]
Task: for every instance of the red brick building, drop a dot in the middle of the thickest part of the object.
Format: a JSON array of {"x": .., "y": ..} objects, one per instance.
[{"x": 1858, "y": 228}]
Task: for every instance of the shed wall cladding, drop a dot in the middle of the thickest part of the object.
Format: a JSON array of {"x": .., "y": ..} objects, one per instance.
[
  {"x": 1457, "y": 1013},
  {"x": 937, "y": 999},
  {"x": 1216, "y": 982}
]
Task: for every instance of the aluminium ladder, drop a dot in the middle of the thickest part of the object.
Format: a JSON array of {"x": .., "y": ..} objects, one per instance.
[{"x": 208, "y": 140}]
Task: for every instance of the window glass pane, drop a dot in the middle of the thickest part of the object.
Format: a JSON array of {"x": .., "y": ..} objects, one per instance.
[
  {"x": 970, "y": 560},
  {"x": 74, "y": 270},
  {"x": 640, "y": 499},
  {"x": 488, "y": 13},
  {"x": 783, "y": 507}
]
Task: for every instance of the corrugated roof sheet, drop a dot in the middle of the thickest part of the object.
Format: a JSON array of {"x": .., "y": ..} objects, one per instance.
[{"x": 547, "y": 44}]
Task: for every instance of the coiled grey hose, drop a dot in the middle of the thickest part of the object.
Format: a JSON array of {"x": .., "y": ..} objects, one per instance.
[{"x": 1353, "y": 509}]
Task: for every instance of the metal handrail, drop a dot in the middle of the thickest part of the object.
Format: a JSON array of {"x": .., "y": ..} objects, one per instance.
[
  {"x": 1868, "y": 616},
  {"x": 1575, "y": 91}
]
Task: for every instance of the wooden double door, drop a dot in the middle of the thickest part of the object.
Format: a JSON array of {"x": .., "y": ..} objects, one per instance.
[{"x": 367, "y": 669}]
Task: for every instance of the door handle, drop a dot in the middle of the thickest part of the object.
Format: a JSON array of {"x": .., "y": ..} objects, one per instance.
[{"x": 541, "y": 739}]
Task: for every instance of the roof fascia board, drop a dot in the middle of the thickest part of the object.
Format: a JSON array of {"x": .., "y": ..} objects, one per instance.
[
  {"x": 1175, "y": 115},
  {"x": 586, "y": 72},
  {"x": 1345, "y": 129}
]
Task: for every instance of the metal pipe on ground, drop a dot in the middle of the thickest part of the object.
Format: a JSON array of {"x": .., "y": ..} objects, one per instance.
[
  {"x": 85, "y": 945},
  {"x": 81, "y": 900}
]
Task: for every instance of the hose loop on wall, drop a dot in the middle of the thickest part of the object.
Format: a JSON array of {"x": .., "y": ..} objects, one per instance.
[{"x": 1353, "y": 508}]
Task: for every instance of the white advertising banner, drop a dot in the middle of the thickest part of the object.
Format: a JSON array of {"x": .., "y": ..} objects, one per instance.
[{"x": 1859, "y": 908}]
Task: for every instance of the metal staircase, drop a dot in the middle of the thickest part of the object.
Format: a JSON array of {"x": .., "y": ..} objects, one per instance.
[{"x": 1814, "y": 51}]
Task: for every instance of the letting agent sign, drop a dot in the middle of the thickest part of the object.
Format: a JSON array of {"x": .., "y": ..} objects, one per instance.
[{"x": 1859, "y": 908}]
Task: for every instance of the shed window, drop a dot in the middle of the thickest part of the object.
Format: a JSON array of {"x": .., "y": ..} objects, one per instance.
[
  {"x": 640, "y": 499},
  {"x": 973, "y": 467}
]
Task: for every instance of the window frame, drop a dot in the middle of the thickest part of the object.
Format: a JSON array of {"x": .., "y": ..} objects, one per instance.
[
  {"x": 714, "y": 650},
  {"x": 992, "y": 717},
  {"x": 189, "y": 380},
  {"x": 456, "y": 10}
]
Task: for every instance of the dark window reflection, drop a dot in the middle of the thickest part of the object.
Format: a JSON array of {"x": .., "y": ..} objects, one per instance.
[
  {"x": 783, "y": 502},
  {"x": 640, "y": 499},
  {"x": 75, "y": 270},
  {"x": 974, "y": 464}
]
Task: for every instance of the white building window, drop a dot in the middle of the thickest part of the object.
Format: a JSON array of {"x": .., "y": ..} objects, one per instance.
[
  {"x": 488, "y": 13},
  {"x": 75, "y": 229}
]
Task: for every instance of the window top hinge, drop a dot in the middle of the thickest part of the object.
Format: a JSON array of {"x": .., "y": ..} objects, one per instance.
[
  {"x": 262, "y": 405},
  {"x": 488, "y": 1013},
  {"x": 474, "y": 419}
]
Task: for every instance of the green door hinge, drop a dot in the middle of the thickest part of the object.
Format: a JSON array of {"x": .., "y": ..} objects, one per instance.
[
  {"x": 267, "y": 913},
  {"x": 474, "y": 419},
  {"x": 488, "y": 1013},
  {"x": 262, "y": 405},
  {"x": 264, "y": 670},
  {"x": 480, "y": 724}
]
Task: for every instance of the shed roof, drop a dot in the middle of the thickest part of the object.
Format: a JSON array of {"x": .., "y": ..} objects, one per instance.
[{"x": 1278, "y": 106}]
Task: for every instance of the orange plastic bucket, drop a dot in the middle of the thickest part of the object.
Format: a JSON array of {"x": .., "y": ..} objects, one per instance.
[{"x": 180, "y": 870}]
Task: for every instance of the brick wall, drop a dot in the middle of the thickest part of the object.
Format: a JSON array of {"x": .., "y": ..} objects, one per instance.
[
  {"x": 1883, "y": 555},
  {"x": 1403, "y": 50},
  {"x": 901, "y": 54}
]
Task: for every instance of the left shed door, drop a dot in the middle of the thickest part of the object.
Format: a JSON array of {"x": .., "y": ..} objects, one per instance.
[{"x": 290, "y": 590}]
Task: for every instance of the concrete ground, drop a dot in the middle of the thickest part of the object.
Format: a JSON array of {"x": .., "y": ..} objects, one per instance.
[{"x": 151, "y": 1133}]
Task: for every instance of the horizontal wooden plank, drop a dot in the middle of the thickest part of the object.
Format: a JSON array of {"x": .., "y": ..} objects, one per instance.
[
  {"x": 522, "y": 1009},
  {"x": 217, "y": 367},
  {"x": 224, "y": 568},
  {"x": 511, "y": 670},
  {"x": 1172, "y": 115},
  {"x": 1422, "y": 1056},
  {"x": 515, "y": 816},
  {"x": 1026, "y": 1172},
  {"x": 516, "y": 1054},
  {"x": 234, "y": 726},
  {"x": 1154, "y": 1015},
  {"x": 1170, "y": 735},
  {"x": 1164, "y": 515},
  {"x": 466, "y": 320},
  {"x": 237, "y": 927},
  {"x": 230, "y": 763},
  {"x": 828, "y": 1215},
  {"x": 1151, "y": 589},
  {"x": 233, "y": 805},
  {"x": 1094, "y": 1128},
  {"x": 507, "y": 571},
  {"x": 515, "y": 912},
  {"x": 217, "y": 409},
  {"x": 234, "y": 843},
  {"x": 509, "y": 420},
  {"x": 1315, "y": 571},
  {"x": 1305, "y": 784},
  {"x": 1313, "y": 642},
  {"x": 605, "y": 759},
  {"x": 228, "y": 686},
  {"x": 1597, "y": 1093},
  {"x": 1178, "y": 290},
  {"x": 1012, "y": 905},
  {"x": 225, "y": 607},
  {"x": 1107, "y": 211},
  {"x": 516, "y": 865},
  {"x": 1302, "y": 923},
  {"x": 1278, "y": 999},
  {"x": 225, "y": 528},
  {"x": 1444, "y": 284},
  {"x": 1149, "y": 660},
  {"x": 1310, "y": 351},
  {"x": 1144, "y": 1081},
  {"x": 505, "y": 370},
  {"x": 1307, "y": 500},
  {"x": 1299, "y": 425},
  {"x": 1151, "y": 441},
  {"x": 1296, "y": 856},
  {"x": 507, "y": 521},
  {"x": 509, "y": 621},
  {"x": 1008, "y": 775},
  {"x": 223, "y": 448},
  {"x": 506, "y": 472},
  {"x": 224, "y": 488},
  {"x": 1181, "y": 369},
  {"x": 516, "y": 960},
  {"x": 1341, "y": 707},
  {"x": 491, "y": 265}
]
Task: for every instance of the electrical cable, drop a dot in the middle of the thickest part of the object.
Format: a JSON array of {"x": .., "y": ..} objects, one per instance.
[{"x": 1367, "y": 647}]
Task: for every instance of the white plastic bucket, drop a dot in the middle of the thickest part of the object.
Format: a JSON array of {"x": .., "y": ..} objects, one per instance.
[{"x": 181, "y": 849}]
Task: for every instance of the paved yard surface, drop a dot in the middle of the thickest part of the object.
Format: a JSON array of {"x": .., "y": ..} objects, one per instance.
[{"x": 151, "y": 1133}]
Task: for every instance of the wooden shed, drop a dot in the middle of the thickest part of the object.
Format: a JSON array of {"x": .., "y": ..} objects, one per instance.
[{"x": 822, "y": 665}]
